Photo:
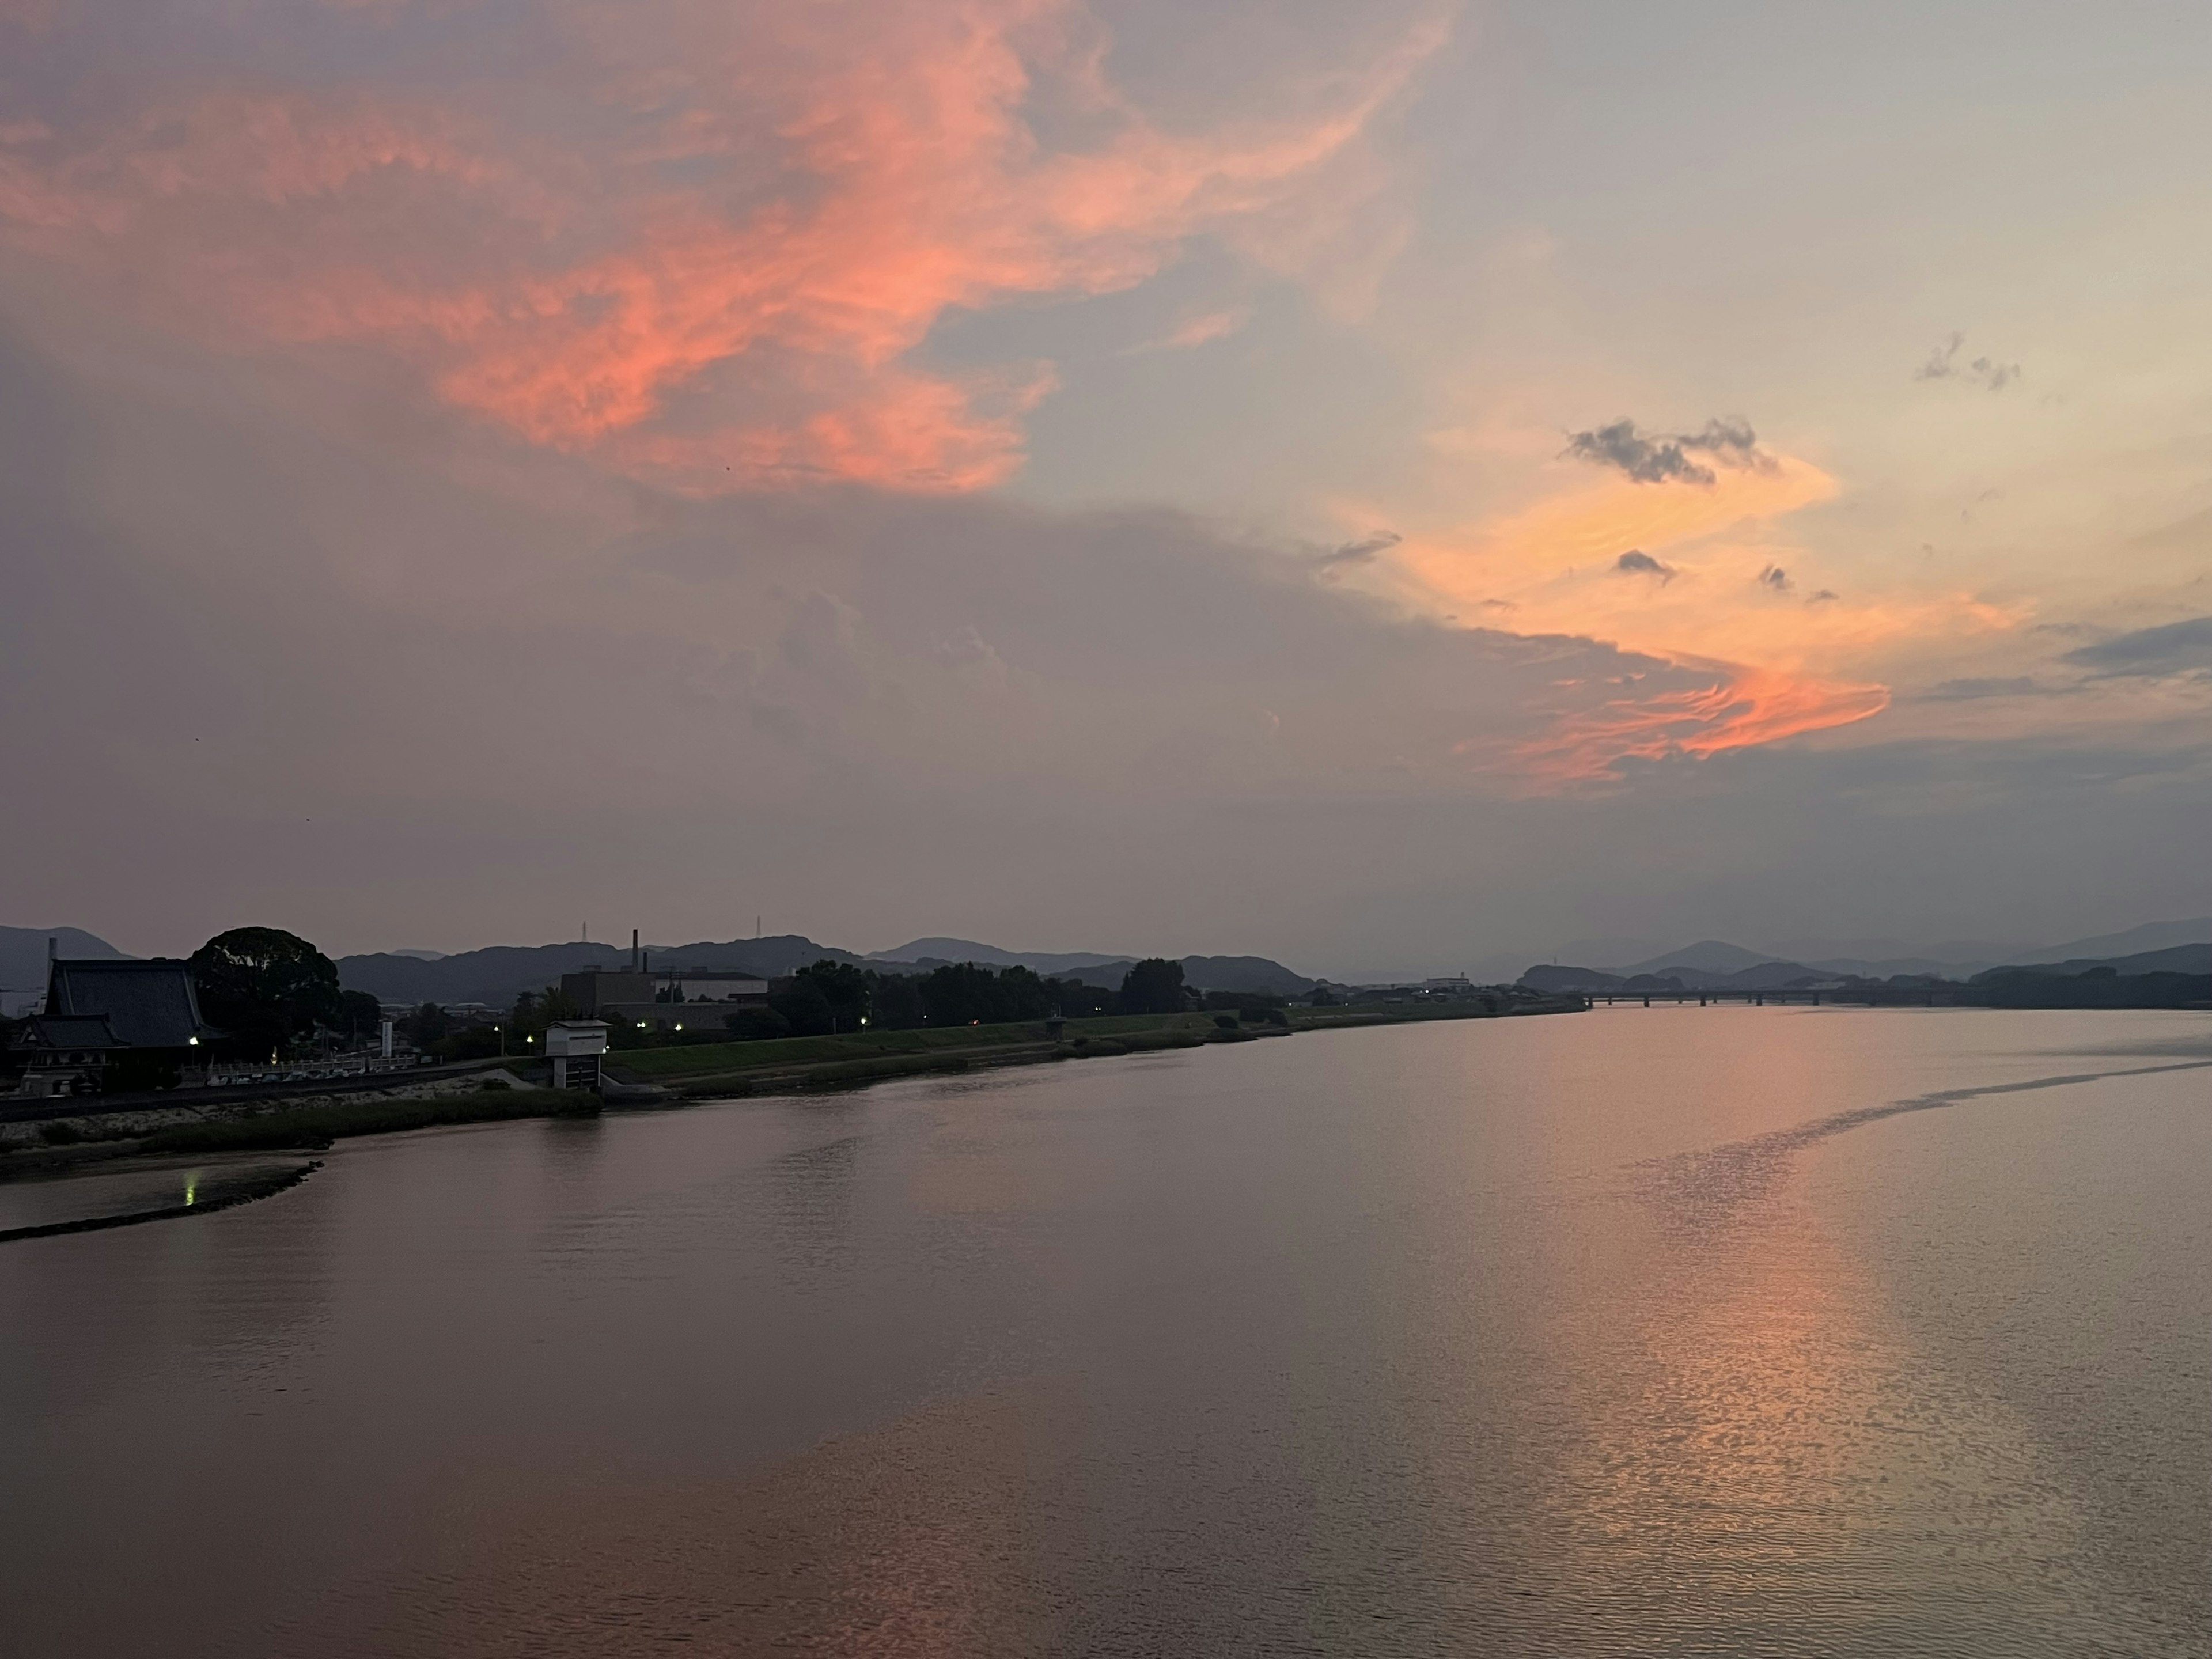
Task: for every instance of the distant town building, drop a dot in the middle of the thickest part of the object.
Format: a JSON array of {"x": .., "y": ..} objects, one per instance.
[
  {"x": 670, "y": 999},
  {"x": 114, "y": 1024}
]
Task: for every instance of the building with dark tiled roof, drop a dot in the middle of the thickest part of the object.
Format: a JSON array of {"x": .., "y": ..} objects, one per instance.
[{"x": 110, "y": 1024}]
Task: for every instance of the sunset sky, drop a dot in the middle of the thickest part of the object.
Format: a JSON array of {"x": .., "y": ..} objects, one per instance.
[{"x": 1378, "y": 486}]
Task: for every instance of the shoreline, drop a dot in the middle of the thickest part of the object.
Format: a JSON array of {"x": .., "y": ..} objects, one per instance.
[{"x": 313, "y": 1121}]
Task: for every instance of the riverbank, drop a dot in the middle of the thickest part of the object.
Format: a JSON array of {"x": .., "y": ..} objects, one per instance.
[{"x": 672, "y": 1076}]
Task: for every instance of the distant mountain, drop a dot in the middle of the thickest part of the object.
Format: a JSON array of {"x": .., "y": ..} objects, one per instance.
[
  {"x": 498, "y": 974},
  {"x": 2106, "y": 947},
  {"x": 777, "y": 953},
  {"x": 1554, "y": 977},
  {"x": 935, "y": 951},
  {"x": 1710, "y": 956},
  {"x": 2159, "y": 946},
  {"x": 1763, "y": 976},
  {"x": 1890, "y": 966},
  {"x": 2174, "y": 959},
  {"x": 1826, "y": 952},
  {"x": 23, "y": 953},
  {"x": 1614, "y": 951},
  {"x": 1255, "y": 974}
]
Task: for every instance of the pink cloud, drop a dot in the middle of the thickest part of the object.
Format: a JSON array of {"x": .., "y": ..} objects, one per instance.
[
  {"x": 722, "y": 266},
  {"x": 1741, "y": 708}
]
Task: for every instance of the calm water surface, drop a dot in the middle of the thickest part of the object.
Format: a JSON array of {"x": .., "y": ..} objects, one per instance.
[{"x": 1695, "y": 1330}]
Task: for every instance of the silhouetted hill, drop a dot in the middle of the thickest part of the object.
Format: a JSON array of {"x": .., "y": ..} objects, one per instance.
[
  {"x": 500, "y": 972},
  {"x": 495, "y": 975},
  {"x": 2152, "y": 936},
  {"x": 2175, "y": 959},
  {"x": 931, "y": 952},
  {"x": 1707, "y": 955},
  {"x": 23, "y": 953}
]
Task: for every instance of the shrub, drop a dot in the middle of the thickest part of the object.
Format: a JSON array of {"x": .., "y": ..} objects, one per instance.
[
  {"x": 1226, "y": 1022},
  {"x": 60, "y": 1134},
  {"x": 755, "y": 1024}
]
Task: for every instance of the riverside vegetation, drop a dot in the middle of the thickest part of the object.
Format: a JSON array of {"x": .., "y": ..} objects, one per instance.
[{"x": 666, "y": 1075}]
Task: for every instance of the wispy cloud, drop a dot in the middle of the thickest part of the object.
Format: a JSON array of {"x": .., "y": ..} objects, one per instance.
[
  {"x": 1198, "y": 332},
  {"x": 720, "y": 267},
  {"x": 1943, "y": 364},
  {"x": 1363, "y": 551}
]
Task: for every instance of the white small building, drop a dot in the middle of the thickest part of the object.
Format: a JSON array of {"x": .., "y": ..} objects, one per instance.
[{"x": 574, "y": 1046}]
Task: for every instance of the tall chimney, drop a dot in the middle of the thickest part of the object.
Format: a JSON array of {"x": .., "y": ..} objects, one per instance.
[{"x": 634, "y": 968}]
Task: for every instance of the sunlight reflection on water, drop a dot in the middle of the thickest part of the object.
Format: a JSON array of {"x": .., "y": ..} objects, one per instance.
[{"x": 1727, "y": 1330}]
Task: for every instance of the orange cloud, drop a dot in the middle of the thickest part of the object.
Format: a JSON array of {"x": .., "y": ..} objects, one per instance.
[
  {"x": 1776, "y": 663},
  {"x": 729, "y": 269},
  {"x": 1743, "y": 708}
]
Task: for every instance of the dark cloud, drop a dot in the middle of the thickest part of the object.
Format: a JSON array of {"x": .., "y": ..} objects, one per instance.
[
  {"x": 1943, "y": 364},
  {"x": 1825, "y": 595},
  {"x": 1664, "y": 457},
  {"x": 2181, "y": 647},
  {"x": 283, "y": 703},
  {"x": 1637, "y": 562},
  {"x": 1774, "y": 579},
  {"x": 1361, "y": 551},
  {"x": 1975, "y": 690}
]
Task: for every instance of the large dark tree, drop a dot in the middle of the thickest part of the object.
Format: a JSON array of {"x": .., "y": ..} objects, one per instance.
[
  {"x": 844, "y": 985},
  {"x": 1153, "y": 986},
  {"x": 894, "y": 1000},
  {"x": 962, "y": 993},
  {"x": 803, "y": 1005},
  {"x": 264, "y": 988}
]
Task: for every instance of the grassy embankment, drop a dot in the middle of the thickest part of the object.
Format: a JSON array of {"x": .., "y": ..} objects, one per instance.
[
  {"x": 727, "y": 1069},
  {"x": 739, "y": 1068},
  {"x": 318, "y": 1125}
]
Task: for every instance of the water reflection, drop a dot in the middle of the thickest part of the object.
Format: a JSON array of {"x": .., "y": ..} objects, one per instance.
[{"x": 1693, "y": 1331}]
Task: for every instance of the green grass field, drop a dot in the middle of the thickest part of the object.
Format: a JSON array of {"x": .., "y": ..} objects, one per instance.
[{"x": 709, "y": 1059}]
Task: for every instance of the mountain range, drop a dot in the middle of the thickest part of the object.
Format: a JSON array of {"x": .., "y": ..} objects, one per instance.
[
  {"x": 1712, "y": 965},
  {"x": 497, "y": 974},
  {"x": 1712, "y": 962}
]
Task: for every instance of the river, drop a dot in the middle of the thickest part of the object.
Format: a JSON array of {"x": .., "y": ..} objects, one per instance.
[{"x": 1780, "y": 1331}]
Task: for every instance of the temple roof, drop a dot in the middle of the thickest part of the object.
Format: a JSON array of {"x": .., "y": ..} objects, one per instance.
[{"x": 147, "y": 1004}]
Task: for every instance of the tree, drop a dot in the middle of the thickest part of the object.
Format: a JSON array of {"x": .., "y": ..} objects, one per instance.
[
  {"x": 1076, "y": 999},
  {"x": 894, "y": 1000},
  {"x": 359, "y": 1015},
  {"x": 844, "y": 985},
  {"x": 264, "y": 988},
  {"x": 750, "y": 1024},
  {"x": 1153, "y": 986},
  {"x": 803, "y": 1005},
  {"x": 426, "y": 1026}
]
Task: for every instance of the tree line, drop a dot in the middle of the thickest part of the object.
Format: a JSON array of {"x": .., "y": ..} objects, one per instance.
[
  {"x": 828, "y": 997},
  {"x": 273, "y": 995}
]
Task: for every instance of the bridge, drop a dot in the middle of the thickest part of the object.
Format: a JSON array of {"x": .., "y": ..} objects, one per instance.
[{"x": 1857, "y": 996}]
